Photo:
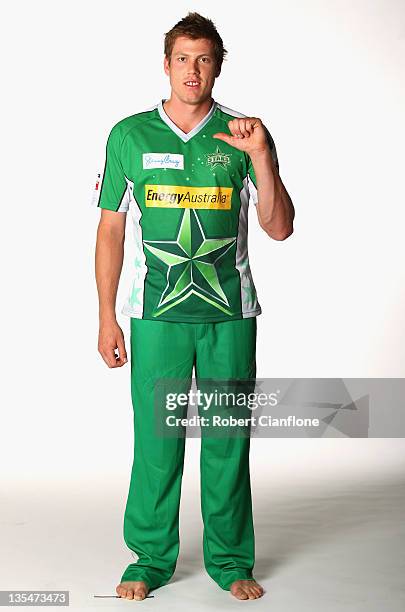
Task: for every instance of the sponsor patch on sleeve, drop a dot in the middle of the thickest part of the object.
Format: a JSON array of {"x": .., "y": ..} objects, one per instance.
[{"x": 96, "y": 190}]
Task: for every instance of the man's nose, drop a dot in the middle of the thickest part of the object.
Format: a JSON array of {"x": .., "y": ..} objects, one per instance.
[{"x": 195, "y": 66}]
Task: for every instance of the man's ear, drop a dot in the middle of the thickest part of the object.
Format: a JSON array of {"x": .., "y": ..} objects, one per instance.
[{"x": 166, "y": 65}]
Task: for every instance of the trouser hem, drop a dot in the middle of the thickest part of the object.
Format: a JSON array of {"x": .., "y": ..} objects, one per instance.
[
  {"x": 153, "y": 579},
  {"x": 227, "y": 581}
]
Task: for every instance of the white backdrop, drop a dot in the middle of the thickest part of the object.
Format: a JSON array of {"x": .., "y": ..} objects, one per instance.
[{"x": 327, "y": 78}]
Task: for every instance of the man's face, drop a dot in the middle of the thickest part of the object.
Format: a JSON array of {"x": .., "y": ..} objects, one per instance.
[{"x": 192, "y": 69}]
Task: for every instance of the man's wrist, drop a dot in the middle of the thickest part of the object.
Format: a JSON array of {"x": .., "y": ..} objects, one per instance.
[
  {"x": 260, "y": 154},
  {"x": 106, "y": 318}
]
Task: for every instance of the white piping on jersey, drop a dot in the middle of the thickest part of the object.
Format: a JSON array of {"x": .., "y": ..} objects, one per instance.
[
  {"x": 185, "y": 137},
  {"x": 126, "y": 197},
  {"x": 229, "y": 111},
  {"x": 247, "y": 288}
]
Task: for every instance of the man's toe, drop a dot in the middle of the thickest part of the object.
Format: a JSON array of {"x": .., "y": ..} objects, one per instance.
[
  {"x": 241, "y": 593},
  {"x": 253, "y": 592}
]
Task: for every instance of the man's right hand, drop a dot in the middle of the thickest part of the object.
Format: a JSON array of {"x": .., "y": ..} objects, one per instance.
[{"x": 111, "y": 339}]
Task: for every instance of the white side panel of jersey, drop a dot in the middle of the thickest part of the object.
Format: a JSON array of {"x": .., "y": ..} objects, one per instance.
[
  {"x": 133, "y": 307},
  {"x": 250, "y": 305},
  {"x": 252, "y": 190}
]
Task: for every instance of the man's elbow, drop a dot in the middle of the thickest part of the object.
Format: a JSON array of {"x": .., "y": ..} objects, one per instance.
[
  {"x": 285, "y": 228},
  {"x": 282, "y": 235},
  {"x": 279, "y": 234}
]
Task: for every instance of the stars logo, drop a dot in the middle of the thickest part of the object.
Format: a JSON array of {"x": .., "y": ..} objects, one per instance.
[
  {"x": 218, "y": 158},
  {"x": 191, "y": 261}
]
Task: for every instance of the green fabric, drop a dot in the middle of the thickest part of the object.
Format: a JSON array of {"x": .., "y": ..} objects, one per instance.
[
  {"x": 189, "y": 196},
  {"x": 165, "y": 350}
]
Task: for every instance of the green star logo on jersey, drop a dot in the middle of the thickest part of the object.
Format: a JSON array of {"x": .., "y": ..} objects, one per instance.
[
  {"x": 218, "y": 158},
  {"x": 191, "y": 260}
]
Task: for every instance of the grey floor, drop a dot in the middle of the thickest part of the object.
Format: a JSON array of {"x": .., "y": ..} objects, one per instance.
[{"x": 331, "y": 541}]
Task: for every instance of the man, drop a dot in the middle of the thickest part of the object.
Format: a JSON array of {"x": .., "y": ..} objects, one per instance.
[{"x": 186, "y": 168}]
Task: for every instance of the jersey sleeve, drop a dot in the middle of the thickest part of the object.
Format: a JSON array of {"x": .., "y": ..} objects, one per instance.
[
  {"x": 112, "y": 187},
  {"x": 252, "y": 183}
]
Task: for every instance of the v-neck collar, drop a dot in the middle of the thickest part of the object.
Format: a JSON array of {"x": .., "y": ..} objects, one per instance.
[{"x": 183, "y": 135}]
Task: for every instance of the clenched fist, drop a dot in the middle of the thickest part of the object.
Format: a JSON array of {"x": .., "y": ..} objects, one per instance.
[{"x": 247, "y": 134}]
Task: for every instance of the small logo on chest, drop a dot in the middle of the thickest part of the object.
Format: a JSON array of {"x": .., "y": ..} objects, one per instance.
[
  {"x": 163, "y": 160},
  {"x": 218, "y": 159}
]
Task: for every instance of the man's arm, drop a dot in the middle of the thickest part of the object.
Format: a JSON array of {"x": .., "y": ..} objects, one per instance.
[
  {"x": 275, "y": 209},
  {"x": 108, "y": 265}
]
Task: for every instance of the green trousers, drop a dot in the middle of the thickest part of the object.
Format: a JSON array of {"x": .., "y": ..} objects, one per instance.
[{"x": 161, "y": 349}]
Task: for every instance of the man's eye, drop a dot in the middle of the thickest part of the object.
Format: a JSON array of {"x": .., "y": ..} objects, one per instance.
[
  {"x": 181, "y": 58},
  {"x": 205, "y": 59}
]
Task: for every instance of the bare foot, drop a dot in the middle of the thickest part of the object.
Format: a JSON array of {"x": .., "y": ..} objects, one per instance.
[
  {"x": 246, "y": 589},
  {"x": 133, "y": 589}
]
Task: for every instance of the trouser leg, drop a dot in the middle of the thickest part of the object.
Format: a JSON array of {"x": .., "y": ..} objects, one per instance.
[
  {"x": 227, "y": 351},
  {"x": 159, "y": 350}
]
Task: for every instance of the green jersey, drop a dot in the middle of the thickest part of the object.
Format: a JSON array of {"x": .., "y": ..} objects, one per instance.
[{"x": 189, "y": 195}]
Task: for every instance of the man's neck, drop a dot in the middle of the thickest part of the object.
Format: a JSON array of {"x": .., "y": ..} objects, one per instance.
[{"x": 186, "y": 116}]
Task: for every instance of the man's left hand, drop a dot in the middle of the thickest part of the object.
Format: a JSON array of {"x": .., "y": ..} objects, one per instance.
[{"x": 247, "y": 134}]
